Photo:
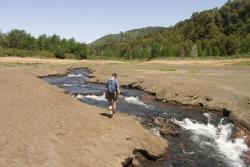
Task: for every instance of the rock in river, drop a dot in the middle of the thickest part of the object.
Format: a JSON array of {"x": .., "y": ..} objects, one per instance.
[{"x": 170, "y": 128}]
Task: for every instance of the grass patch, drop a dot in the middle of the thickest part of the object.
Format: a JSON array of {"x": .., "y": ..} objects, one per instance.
[
  {"x": 14, "y": 64},
  {"x": 243, "y": 63},
  {"x": 18, "y": 64},
  {"x": 204, "y": 57},
  {"x": 193, "y": 71},
  {"x": 167, "y": 69},
  {"x": 25, "y": 53},
  {"x": 8, "y": 52}
]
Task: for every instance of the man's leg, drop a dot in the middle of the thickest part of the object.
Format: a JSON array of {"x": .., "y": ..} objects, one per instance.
[
  {"x": 110, "y": 107},
  {"x": 114, "y": 106}
]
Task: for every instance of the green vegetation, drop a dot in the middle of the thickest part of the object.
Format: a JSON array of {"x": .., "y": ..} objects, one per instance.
[
  {"x": 25, "y": 53},
  {"x": 167, "y": 69},
  {"x": 15, "y": 64},
  {"x": 223, "y": 32},
  {"x": 193, "y": 71},
  {"x": 243, "y": 63},
  {"x": 217, "y": 32},
  {"x": 19, "y": 43}
]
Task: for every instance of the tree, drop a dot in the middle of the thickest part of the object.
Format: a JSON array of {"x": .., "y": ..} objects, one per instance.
[
  {"x": 42, "y": 42},
  {"x": 2, "y": 40},
  {"x": 124, "y": 49},
  {"x": 212, "y": 31},
  {"x": 59, "y": 53},
  {"x": 155, "y": 50},
  {"x": 194, "y": 52},
  {"x": 17, "y": 39},
  {"x": 54, "y": 43},
  {"x": 246, "y": 44},
  {"x": 215, "y": 51},
  {"x": 232, "y": 46},
  {"x": 82, "y": 51},
  {"x": 30, "y": 43}
]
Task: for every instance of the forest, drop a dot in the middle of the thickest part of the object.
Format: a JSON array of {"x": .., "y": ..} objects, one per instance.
[
  {"x": 20, "y": 43},
  {"x": 215, "y": 32}
]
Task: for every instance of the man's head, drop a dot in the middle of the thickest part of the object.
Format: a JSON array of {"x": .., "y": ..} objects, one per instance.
[{"x": 114, "y": 75}]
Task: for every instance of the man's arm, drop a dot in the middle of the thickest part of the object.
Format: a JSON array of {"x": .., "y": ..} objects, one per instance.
[
  {"x": 118, "y": 88},
  {"x": 106, "y": 86}
]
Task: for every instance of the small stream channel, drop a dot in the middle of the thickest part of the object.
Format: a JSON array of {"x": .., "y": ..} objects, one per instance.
[{"x": 205, "y": 140}]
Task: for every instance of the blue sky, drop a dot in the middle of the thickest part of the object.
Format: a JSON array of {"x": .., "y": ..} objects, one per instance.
[{"x": 87, "y": 20}]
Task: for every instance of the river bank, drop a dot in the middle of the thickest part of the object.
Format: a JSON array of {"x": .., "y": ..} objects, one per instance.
[
  {"x": 220, "y": 86},
  {"x": 188, "y": 130},
  {"x": 42, "y": 126}
]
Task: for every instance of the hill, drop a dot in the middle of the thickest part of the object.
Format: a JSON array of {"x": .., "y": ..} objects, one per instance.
[
  {"x": 127, "y": 35},
  {"x": 215, "y": 32}
]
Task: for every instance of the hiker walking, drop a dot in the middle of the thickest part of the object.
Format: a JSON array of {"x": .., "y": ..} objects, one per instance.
[{"x": 112, "y": 92}]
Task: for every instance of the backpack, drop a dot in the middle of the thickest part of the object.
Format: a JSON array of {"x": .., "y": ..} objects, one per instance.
[{"x": 112, "y": 86}]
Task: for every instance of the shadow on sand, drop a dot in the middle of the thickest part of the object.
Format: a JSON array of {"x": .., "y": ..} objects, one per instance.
[{"x": 106, "y": 115}]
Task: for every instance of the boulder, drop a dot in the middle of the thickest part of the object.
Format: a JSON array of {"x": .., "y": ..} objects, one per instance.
[
  {"x": 170, "y": 128},
  {"x": 247, "y": 140},
  {"x": 159, "y": 121},
  {"x": 246, "y": 157},
  {"x": 181, "y": 146}
]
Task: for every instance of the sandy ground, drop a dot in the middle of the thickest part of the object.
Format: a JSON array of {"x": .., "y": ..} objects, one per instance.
[
  {"x": 42, "y": 126},
  {"x": 33, "y": 60}
]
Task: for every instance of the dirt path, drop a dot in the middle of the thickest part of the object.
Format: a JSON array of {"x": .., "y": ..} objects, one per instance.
[{"x": 42, "y": 126}]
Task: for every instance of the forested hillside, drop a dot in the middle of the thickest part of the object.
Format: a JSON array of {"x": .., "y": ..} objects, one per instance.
[
  {"x": 215, "y": 32},
  {"x": 126, "y": 36},
  {"x": 20, "y": 43}
]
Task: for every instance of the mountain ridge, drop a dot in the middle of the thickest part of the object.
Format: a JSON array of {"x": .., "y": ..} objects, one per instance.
[{"x": 216, "y": 32}]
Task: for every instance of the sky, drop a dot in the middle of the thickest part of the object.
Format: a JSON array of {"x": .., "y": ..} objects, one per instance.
[{"x": 88, "y": 20}]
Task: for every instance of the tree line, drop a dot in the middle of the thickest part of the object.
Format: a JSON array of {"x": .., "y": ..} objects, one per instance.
[
  {"x": 16, "y": 41},
  {"x": 215, "y": 32}
]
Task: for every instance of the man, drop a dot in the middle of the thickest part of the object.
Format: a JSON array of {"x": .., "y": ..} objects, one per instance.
[{"x": 112, "y": 92}]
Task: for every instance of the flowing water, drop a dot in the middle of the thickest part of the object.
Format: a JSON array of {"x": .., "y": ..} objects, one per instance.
[{"x": 205, "y": 140}]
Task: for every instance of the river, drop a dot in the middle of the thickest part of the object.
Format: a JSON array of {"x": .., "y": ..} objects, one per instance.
[{"x": 206, "y": 136}]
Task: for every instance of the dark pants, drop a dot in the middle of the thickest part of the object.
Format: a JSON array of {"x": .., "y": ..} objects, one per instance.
[{"x": 112, "y": 98}]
